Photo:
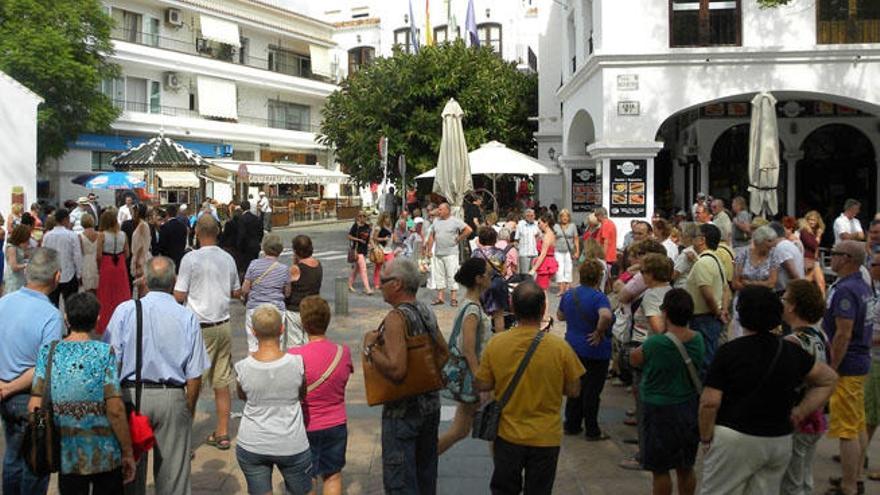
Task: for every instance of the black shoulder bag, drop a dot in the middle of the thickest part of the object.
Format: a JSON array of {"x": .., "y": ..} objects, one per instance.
[
  {"x": 41, "y": 445},
  {"x": 486, "y": 420}
]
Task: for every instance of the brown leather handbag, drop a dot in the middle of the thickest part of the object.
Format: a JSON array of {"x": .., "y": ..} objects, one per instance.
[
  {"x": 41, "y": 445},
  {"x": 424, "y": 369}
]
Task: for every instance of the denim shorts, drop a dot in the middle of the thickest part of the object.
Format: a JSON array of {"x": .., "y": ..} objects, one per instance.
[
  {"x": 257, "y": 469},
  {"x": 328, "y": 450}
]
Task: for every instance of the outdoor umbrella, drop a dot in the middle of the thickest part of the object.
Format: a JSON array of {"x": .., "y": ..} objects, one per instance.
[
  {"x": 111, "y": 180},
  {"x": 493, "y": 159},
  {"x": 763, "y": 156},
  {"x": 161, "y": 153},
  {"x": 453, "y": 167}
]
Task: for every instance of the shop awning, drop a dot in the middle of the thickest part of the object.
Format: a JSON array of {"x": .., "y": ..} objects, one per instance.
[
  {"x": 217, "y": 98},
  {"x": 262, "y": 172},
  {"x": 320, "y": 59},
  {"x": 178, "y": 178},
  {"x": 316, "y": 174},
  {"x": 219, "y": 30}
]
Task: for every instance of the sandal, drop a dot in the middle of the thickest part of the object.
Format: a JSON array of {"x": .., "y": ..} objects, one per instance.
[
  {"x": 630, "y": 463},
  {"x": 221, "y": 442},
  {"x": 438, "y": 302}
]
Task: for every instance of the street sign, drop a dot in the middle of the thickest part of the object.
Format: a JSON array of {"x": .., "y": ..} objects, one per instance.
[
  {"x": 627, "y": 82},
  {"x": 628, "y": 108}
]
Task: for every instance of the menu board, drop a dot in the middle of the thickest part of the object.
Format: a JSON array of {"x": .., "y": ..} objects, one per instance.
[
  {"x": 628, "y": 188},
  {"x": 586, "y": 190}
]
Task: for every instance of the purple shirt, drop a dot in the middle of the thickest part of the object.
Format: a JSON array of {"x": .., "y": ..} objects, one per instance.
[{"x": 849, "y": 298}]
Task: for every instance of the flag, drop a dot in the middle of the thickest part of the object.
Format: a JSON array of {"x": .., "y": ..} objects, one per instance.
[
  {"x": 452, "y": 24},
  {"x": 429, "y": 35},
  {"x": 470, "y": 24},
  {"x": 413, "y": 32}
]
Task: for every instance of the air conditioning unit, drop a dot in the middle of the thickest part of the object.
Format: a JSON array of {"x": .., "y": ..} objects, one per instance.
[
  {"x": 174, "y": 17},
  {"x": 172, "y": 81}
]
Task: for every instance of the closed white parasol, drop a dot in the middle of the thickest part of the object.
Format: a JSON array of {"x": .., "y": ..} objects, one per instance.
[
  {"x": 763, "y": 156},
  {"x": 453, "y": 179}
]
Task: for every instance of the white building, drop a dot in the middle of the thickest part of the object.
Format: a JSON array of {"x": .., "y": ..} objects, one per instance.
[
  {"x": 666, "y": 86},
  {"x": 18, "y": 144},
  {"x": 370, "y": 28},
  {"x": 237, "y": 81}
]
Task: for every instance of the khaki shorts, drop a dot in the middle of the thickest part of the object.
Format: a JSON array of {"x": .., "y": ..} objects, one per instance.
[
  {"x": 847, "y": 408},
  {"x": 218, "y": 343}
]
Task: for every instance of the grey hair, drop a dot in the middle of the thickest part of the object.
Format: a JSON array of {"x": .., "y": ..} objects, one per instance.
[
  {"x": 160, "y": 274},
  {"x": 599, "y": 210},
  {"x": 43, "y": 266},
  {"x": 763, "y": 234},
  {"x": 689, "y": 230},
  {"x": 272, "y": 245},
  {"x": 528, "y": 210},
  {"x": 407, "y": 273},
  {"x": 504, "y": 234}
]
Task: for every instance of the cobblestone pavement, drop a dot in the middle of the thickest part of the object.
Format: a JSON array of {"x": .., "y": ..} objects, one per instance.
[{"x": 584, "y": 467}]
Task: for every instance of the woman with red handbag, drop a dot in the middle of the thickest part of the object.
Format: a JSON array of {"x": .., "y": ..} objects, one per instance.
[{"x": 89, "y": 414}]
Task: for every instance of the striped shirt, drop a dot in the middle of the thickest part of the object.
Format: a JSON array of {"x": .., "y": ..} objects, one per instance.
[{"x": 269, "y": 288}]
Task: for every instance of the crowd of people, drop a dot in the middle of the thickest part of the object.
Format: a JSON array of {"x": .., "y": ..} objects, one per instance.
[{"x": 723, "y": 325}]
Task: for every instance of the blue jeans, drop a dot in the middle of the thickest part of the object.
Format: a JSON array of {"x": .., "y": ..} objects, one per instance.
[
  {"x": 257, "y": 469},
  {"x": 409, "y": 453},
  {"x": 710, "y": 328},
  {"x": 17, "y": 477}
]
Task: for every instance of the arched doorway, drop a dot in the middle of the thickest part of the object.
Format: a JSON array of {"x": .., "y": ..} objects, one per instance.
[
  {"x": 729, "y": 166},
  {"x": 839, "y": 162}
]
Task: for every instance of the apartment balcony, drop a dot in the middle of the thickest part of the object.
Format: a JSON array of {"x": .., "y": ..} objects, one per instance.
[
  {"x": 279, "y": 71},
  {"x": 142, "y": 117}
]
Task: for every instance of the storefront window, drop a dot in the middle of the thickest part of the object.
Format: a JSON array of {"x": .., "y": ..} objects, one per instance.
[{"x": 705, "y": 23}]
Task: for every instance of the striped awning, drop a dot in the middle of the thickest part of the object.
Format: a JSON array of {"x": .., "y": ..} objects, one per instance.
[{"x": 159, "y": 153}]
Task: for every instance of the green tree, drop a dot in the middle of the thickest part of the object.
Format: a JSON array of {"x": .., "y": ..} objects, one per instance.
[
  {"x": 772, "y": 3},
  {"x": 59, "y": 50},
  {"x": 402, "y": 96}
]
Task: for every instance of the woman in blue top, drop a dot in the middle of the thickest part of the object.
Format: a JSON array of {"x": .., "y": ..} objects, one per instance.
[
  {"x": 587, "y": 314},
  {"x": 87, "y": 403}
]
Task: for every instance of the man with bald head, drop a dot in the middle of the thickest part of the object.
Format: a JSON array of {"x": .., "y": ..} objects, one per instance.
[
  {"x": 850, "y": 329},
  {"x": 208, "y": 280},
  {"x": 174, "y": 359}
]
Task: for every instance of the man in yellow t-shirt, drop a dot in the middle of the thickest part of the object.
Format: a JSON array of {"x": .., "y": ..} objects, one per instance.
[
  {"x": 530, "y": 430},
  {"x": 707, "y": 285}
]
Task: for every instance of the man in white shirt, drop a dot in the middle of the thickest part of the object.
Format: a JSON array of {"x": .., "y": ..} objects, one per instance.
[
  {"x": 265, "y": 207},
  {"x": 526, "y": 240},
  {"x": 787, "y": 257},
  {"x": 721, "y": 219},
  {"x": 66, "y": 243},
  {"x": 76, "y": 215},
  {"x": 847, "y": 227},
  {"x": 124, "y": 212},
  {"x": 207, "y": 280}
]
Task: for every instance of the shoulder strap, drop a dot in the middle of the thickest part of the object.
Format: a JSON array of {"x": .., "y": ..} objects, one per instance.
[
  {"x": 329, "y": 371},
  {"x": 456, "y": 327},
  {"x": 519, "y": 371},
  {"x": 265, "y": 272},
  {"x": 720, "y": 269},
  {"x": 692, "y": 370},
  {"x": 139, "y": 358},
  {"x": 565, "y": 238},
  {"x": 47, "y": 383}
]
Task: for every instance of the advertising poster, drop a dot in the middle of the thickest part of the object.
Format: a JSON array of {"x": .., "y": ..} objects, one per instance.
[
  {"x": 628, "y": 188},
  {"x": 586, "y": 190}
]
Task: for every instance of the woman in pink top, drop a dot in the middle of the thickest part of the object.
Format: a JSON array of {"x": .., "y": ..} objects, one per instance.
[{"x": 328, "y": 366}]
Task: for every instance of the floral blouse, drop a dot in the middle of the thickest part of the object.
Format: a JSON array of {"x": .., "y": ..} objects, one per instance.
[
  {"x": 84, "y": 375},
  {"x": 749, "y": 271}
]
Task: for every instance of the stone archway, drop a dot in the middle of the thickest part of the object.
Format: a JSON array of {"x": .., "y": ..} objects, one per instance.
[{"x": 581, "y": 132}]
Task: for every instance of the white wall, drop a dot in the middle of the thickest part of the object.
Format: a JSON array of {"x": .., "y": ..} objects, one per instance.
[{"x": 18, "y": 142}]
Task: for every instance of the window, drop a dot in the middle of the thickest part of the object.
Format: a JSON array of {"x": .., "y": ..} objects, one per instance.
[
  {"x": 243, "y": 51},
  {"x": 151, "y": 31},
  {"x": 290, "y": 116},
  {"x": 402, "y": 39},
  {"x": 101, "y": 161},
  {"x": 215, "y": 50},
  {"x": 155, "y": 97},
  {"x": 705, "y": 23},
  {"x": 127, "y": 26},
  {"x": 115, "y": 90},
  {"x": 359, "y": 57},
  {"x": 441, "y": 34},
  {"x": 490, "y": 35},
  {"x": 288, "y": 62},
  {"x": 848, "y": 21}
]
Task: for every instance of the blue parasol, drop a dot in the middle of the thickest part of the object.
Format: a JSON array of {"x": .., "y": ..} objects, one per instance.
[{"x": 111, "y": 180}]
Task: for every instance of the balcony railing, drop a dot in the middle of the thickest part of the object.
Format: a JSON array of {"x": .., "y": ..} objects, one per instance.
[
  {"x": 144, "y": 107},
  {"x": 297, "y": 65}
]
